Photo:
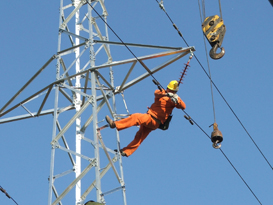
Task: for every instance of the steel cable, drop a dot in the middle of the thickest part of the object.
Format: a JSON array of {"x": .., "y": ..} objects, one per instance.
[
  {"x": 163, "y": 88},
  {"x": 4, "y": 191},
  {"x": 226, "y": 101}
]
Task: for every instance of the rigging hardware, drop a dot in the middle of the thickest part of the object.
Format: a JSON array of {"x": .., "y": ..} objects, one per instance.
[
  {"x": 214, "y": 29},
  {"x": 216, "y": 136}
]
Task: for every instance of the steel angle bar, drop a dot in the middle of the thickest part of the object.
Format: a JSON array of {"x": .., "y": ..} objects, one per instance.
[
  {"x": 89, "y": 120},
  {"x": 67, "y": 29},
  {"x": 151, "y": 56},
  {"x": 67, "y": 75},
  {"x": 106, "y": 169},
  {"x": 69, "y": 107},
  {"x": 84, "y": 172},
  {"x": 85, "y": 105},
  {"x": 56, "y": 194},
  {"x": 93, "y": 144},
  {"x": 44, "y": 101},
  {"x": 67, "y": 6},
  {"x": 105, "y": 13},
  {"x": 85, "y": 86},
  {"x": 21, "y": 117},
  {"x": 27, "y": 110},
  {"x": 107, "y": 154},
  {"x": 101, "y": 37},
  {"x": 113, "y": 190},
  {"x": 72, "y": 14},
  {"x": 71, "y": 48},
  {"x": 98, "y": 50},
  {"x": 65, "y": 144},
  {"x": 31, "y": 79},
  {"x": 66, "y": 95},
  {"x": 109, "y": 85},
  {"x": 105, "y": 97},
  {"x": 26, "y": 116},
  {"x": 137, "y": 45},
  {"x": 27, "y": 99},
  {"x": 73, "y": 34},
  {"x": 154, "y": 70},
  {"x": 75, "y": 153},
  {"x": 167, "y": 53},
  {"x": 127, "y": 76},
  {"x": 76, "y": 90},
  {"x": 62, "y": 76},
  {"x": 116, "y": 63},
  {"x": 63, "y": 174}
]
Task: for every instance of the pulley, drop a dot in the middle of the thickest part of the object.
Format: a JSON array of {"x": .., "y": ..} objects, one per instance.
[
  {"x": 216, "y": 137},
  {"x": 214, "y": 29}
]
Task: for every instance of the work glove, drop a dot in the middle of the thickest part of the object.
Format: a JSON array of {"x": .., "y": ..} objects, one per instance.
[
  {"x": 170, "y": 94},
  {"x": 175, "y": 98}
]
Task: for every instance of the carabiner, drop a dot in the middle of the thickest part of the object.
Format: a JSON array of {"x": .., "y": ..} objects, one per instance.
[{"x": 215, "y": 55}]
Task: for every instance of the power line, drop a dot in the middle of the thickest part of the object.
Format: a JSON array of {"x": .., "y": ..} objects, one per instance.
[
  {"x": 146, "y": 68},
  {"x": 4, "y": 191},
  {"x": 163, "y": 88},
  {"x": 227, "y": 160},
  {"x": 221, "y": 94}
]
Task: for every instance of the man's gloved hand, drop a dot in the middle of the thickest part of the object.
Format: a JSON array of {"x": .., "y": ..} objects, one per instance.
[
  {"x": 170, "y": 94},
  {"x": 175, "y": 98}
]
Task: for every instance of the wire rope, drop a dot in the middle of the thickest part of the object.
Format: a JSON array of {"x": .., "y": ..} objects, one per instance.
[
  {"x": 162, "y": 87},
  {"x": 225, "y": 100},
  {"x": 4, "y": 191},
  {"x": 220, "y": 8},
  {"x": 146, "y": 68},
  {"x": 227, "y": 160},
  {"x": 211, "y": 88}
]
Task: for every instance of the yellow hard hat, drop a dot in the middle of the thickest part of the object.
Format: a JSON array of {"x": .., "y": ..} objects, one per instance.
[{"x": 173, "y": 85}]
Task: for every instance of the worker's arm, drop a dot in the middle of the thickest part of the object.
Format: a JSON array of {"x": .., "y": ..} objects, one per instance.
[
  {"x": 160, "y": 94},
  {"x": 180, "y": 104}
]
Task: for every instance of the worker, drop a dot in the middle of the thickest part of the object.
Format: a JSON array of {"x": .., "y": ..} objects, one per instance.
[{"x": 165, "y": 101}]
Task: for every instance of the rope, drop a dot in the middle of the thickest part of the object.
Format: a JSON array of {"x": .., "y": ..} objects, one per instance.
[
  {"x": 220, "y": 9},
  {"x": 4, "y": 191},
  {"x": 226, "y": 102},
  {"x": 226, "y": 159},
  {"x": 162, "y": 87},
  {"x": 146, "y": 68},
  {"x": 211, "y": 88}
]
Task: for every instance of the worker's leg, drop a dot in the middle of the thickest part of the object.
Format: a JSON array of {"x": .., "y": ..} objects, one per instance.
[
  {"x": 148, "y": 125},
  {"x": 132, "y": 120},
  {"x": 140, "y": 136}
]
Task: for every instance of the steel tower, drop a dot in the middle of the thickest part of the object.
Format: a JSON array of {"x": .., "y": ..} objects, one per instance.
[{"x": 84, "y": 84}]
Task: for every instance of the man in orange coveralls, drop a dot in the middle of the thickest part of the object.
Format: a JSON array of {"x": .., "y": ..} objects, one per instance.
[{"x": 165, "y": 101}]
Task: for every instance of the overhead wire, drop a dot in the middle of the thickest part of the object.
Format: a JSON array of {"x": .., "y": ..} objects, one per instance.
[
  {"x": 211, "y": 88},
  {"x": 212, "y": 83},
  {"x": 227, "y": 160},
  {"x": 163, "y": 88},
  {"x": 223, "y": 97},
  {"x": 146, "y": 68},
  {"x": 4, "y": 191}
]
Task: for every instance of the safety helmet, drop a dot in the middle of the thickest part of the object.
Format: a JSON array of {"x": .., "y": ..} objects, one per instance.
[{"x": 173, "y": 85}]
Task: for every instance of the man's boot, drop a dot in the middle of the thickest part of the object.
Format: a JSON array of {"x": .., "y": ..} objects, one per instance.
[{"x": 110, "y": 122}]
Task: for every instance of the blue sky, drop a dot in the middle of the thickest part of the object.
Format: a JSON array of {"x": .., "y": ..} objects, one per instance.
[{"x": 177, "y": 166}]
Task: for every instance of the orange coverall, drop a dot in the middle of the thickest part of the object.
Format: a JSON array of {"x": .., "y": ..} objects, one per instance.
[{"x": 158, "y": 112}]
